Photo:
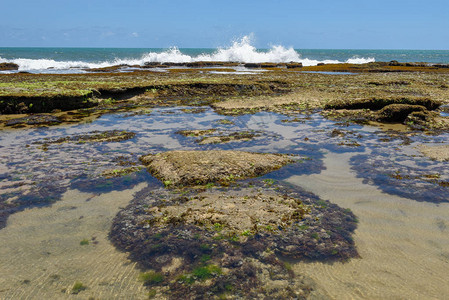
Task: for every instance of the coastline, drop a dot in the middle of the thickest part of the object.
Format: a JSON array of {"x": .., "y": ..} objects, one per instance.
[{"x": 386, "y": 116}]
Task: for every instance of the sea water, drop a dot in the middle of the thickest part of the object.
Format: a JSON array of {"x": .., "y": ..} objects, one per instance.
[{"x": 69, "y": 60}]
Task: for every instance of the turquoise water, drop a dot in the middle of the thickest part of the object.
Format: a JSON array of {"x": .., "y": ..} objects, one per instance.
[
  {"x": 41, "y": 59},
  {"x": 96, "y": 55}
]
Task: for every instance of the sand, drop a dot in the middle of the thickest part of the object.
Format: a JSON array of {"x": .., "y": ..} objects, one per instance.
[
  {"x": 403, "y": 244},
  {"x": 41, "y": 256}
]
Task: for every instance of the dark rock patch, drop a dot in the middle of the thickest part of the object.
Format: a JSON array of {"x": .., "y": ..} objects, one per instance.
[
  {"x": 417, "y": 113},
  {"x": 215, "y": 136},
  {"x": 38, "y": 119},
  {"x": 293, "y": 65},
  {"x": 398, "y": 178},
  {"x": 398, "y": 112},
  {"x": 94, "y": 137},
  {"x": 8, "y": 67},
  {"x": 379, "y": 103},
  {"x": 37, "y": 104}
]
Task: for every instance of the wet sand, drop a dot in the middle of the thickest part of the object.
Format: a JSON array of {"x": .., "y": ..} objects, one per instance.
[
  {"x": 41, "y": 256},
  {"x": 403, "y": 244},
  {"x": 435, "y": 152}
]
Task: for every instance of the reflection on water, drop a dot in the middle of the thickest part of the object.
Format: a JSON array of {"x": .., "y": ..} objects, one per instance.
[{"x": 394, "y": 225}]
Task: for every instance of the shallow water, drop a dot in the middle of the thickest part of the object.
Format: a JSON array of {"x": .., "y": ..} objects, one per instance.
[
  {"x": 41, "y": 256},
  {"x": 402, "y": 236},
  {"x": 403, "y": 244}
]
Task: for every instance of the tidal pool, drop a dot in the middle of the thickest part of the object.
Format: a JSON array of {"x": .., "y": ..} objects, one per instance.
[{"x": 57, "y": 205}]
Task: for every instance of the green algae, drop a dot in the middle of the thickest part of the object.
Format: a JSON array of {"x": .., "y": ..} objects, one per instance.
[
  {"x": 78, "y": 287},
  {"x": 151, "y": 278}
]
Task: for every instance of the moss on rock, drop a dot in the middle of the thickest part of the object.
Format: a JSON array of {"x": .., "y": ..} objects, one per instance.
[
  {"x": 231, "y": 242},
  {"x": 187, "y": 168}
]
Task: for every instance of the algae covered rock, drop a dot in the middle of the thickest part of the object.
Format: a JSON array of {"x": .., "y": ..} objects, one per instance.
[
  {"x": 232, "y": 241},
  {"x": 94, "y": 137},
  {"x": 184, "y": 168},
  {"x": 398, "y": 112}
]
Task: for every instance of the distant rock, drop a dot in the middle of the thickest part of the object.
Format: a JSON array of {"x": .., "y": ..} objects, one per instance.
[
  {"x": 8, "y": 66},
  {"x": 394, "y": 63},
  {"x": 292, "y": 65}
]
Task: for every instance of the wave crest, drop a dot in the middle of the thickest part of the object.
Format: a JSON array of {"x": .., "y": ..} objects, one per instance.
[{"x": 240, "y": 51}]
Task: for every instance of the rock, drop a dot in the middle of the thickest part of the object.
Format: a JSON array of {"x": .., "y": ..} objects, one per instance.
[
  {"x": 8, "y": 66},
  {"x": 441, "y": 66},
  {"x": 375, "y": 103},
  {"x": 292, "y": 65},
  {"x": 184, "y": 168},
  {"x": 252, "y": 65},
  {"x": 152, "y": 63},
  {"x": 232, "y": 239},
  {"x": 394, "y": 63},
  {"x": 95, "y": 137},
  {"x": 398, "y": 112},
  {"x": 270, "y": 65},
  {"x": 38, "y": 119}
]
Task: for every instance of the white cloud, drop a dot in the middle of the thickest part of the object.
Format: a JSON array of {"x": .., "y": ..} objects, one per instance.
[{"x": 135, "y": 34}]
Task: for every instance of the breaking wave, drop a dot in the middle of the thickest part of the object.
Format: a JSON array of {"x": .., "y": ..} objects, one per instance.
[{"x": 240, "y": 51}]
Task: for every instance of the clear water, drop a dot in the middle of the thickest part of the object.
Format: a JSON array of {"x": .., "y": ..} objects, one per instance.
[{"x": 402, "y": 234}]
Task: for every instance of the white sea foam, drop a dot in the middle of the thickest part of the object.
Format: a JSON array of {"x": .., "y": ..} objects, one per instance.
[
  {"x": 43, "y": 64},
  {"x": 241, "y": 51}
]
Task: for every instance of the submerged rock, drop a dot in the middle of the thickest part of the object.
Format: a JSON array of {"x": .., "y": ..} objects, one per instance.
[
  {"x": 94, "y": 137},
  {"x": 38, "y": 119},
  {"x": 395, "y": 174},
  {"x": 184, "y": 168},
  {"x": 214, "y": 136}
]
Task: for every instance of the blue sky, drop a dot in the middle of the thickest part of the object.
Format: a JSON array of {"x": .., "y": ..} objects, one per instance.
[{"x": 344, "y": 24}]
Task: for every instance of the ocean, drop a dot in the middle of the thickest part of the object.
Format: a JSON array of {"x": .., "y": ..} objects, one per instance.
[{"x": 74, "y": 60}]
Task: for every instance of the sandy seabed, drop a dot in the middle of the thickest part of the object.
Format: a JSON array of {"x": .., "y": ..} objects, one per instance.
[
  {"x": 41, "y": 256},
  {"x": 403, "y": 244}
]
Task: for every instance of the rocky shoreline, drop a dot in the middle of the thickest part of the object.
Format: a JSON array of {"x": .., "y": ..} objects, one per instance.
[
  {"x": 211, "y": 226},
  {"x": 380, "y": 92}
]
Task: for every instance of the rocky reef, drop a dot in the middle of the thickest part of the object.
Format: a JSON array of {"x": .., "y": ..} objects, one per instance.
[
  {"x": 231, "y": 242},
  {"x": 199, "y": 240},
  {"x": 417, "y": 112}
]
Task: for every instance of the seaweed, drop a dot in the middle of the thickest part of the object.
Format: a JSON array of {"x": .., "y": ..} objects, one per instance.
[{"x": 219, "y": 259}]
